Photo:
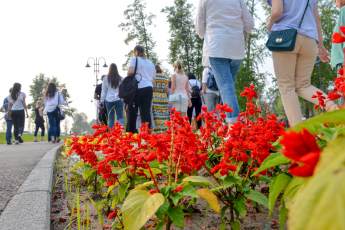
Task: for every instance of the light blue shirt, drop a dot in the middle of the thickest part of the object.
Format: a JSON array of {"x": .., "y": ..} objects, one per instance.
[{"x": 292, "y": 14}]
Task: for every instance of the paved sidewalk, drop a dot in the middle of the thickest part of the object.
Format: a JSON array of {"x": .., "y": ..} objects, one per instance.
[{"x": 16, "y": 163}]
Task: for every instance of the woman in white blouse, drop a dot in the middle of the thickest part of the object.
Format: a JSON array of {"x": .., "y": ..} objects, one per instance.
[{"x": 223, "y": 24}]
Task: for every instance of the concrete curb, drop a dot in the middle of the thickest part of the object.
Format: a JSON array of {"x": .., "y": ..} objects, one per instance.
[{"x": 30, "y": 207}]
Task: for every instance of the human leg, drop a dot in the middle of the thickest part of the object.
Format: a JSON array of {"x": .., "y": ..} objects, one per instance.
[
  {"x": 198, "y": 105},
  {"x": 111, "y": 113},
  {"x": 132, "y": 111},
  {"x": 52, "y": 126},
  {"x": 9, "y": 125},
  {"x": 119, "y": 111},
  {"x": 145, "y": 102},
  {"x": 223, "y": 69},
  {"x": 15, "y": 120}
]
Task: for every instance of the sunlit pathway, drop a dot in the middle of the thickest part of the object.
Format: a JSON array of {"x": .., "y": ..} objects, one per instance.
[{"x": 16, "y": 163}]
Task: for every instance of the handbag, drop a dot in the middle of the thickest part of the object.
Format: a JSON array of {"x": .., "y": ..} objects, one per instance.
[
  {"x": 60, "y": 112},
  {"x": 129, "y": 86},
  {"x": 175, "y": 97},
  {"x": 284, "y": 40}
]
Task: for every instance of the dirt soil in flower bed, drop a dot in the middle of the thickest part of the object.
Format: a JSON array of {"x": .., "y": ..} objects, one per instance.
[{"x": 63, "y": 204}]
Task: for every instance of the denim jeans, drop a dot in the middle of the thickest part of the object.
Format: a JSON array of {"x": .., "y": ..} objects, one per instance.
[
  {"x": 54, "y": 125},
  {"x": 112, "y": 108},
  {"x": 9, "y": 125},
  {"x": 225, "y": 71},
  {"x": 211, "y": 100}
]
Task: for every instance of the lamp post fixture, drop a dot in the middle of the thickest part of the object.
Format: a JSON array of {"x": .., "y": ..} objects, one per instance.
[{"x": 95, "y": 61}]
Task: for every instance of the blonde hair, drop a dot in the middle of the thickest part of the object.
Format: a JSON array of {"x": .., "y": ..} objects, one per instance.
[{"x": 178, "y": 67}]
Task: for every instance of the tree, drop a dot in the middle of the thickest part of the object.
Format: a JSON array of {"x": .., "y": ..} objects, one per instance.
[
  {"x": 38, "y": 88},
  {"x": 80, "y": 124},
  {"x": 137, "y": 25},
  {"x": 185, "y": 45}
]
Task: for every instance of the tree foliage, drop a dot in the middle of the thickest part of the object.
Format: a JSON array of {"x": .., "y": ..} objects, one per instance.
[
  {"x": 137, "y": 25},
  {"x": 80, "y": 124},
  {"x": 184, "y": 45}
]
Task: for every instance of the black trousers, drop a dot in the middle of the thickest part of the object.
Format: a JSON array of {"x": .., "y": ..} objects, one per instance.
[
  {"x": 142, "y": 101},
  {"x": 18, "y": 119},
  {"x": 38, "y": 126},
  {"x": 196, "y": 104}
]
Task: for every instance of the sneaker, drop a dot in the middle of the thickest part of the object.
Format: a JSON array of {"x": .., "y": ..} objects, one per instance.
[
  {"x": 16, "y": 142},
  {"x": 20, "y": 139},
  {"x": 42, "y": 139},
  {"x": 35, "y": 140},
  {"x": 9, "y": 143}
]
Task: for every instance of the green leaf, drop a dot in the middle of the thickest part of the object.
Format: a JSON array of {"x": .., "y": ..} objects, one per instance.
[
  {"x": 123, "y": 191},
  {"x": 88, "y": 173},
  {"x": 189, "y": 190},
  {"x": 199, "y": 180},
  {"x": 257, "y": 197},
  {"x": 211, "y": 199},
  {"x": 143, "y": 186},
  {"x": 283, "y": 212},
  {"x": 240, "y": 207},
  {"x": 177, "y": 216},
  {"x": 176, "y": 197},
  {"x": 162, "y": 211},
  {"x": 235, "y": 225},
  {"x": 272, "y": 160},
  {"x": 277, "y": 186},
  {"x": 313, "y": 124},
  {"x": 320, "y": 203},
  {"x": 139, "y": 207},
  {"x": 118, "y": 171},
  {"x": 111, "y": 188}
]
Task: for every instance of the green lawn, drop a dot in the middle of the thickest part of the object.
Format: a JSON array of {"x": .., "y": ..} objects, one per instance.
[{"x": 26, "y": 138}]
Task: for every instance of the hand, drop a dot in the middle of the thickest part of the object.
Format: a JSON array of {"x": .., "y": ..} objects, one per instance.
[
  {"x": 27, "y": 115},
  {"x": 323, "y": 54},
  {"x": 189, "y": 103}
]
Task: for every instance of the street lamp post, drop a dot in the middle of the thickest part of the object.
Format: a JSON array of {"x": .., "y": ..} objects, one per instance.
[{"x": 95, "y": 61}]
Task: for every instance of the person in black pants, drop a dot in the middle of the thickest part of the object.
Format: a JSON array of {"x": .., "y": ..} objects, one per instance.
[
  {"x": 144, "y": 71},
  {"x": 39, "y": 121},
  {"x": 195, "y": 87},
  {"x": 17, "y": 107}
]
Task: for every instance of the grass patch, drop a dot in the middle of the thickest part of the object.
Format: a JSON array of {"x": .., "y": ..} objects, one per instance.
[{"x": 26, "y": 138}]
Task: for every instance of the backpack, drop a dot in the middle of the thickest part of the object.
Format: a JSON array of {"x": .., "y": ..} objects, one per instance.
[
  {"x": 129, "y": 86},
  {"x": 211, "y": 81},
  {"x": 195, "y": 90}
]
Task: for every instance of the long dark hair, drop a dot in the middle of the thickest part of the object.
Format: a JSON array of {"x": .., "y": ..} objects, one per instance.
[
  {"x": 114, "y": 77},
  {"x": 15, "y": 91},
  {"x": 51, "y": 90}
]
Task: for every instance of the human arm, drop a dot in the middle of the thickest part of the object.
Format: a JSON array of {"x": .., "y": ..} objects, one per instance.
[
  {"x": 187, "y": 87},
  {"x": 173, "y": 83},
  {"x": 247, "y": 18},
  {"x": 323, "y": 53},
  {"x": 25, "y": 106},
  {"x": 200, "y": 21},
  {"x": 276, "y": 13},
  {"x": 131, "y": 67},
  {"x": 204, "y": 80}
]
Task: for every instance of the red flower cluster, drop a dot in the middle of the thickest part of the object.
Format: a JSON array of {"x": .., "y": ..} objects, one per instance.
[
  {"x": 249, "y": 140},
  {"x": 302, "y": 149}
]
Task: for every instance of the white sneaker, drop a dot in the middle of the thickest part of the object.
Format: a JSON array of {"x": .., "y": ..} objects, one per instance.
[{"x": 16, "y": 142}]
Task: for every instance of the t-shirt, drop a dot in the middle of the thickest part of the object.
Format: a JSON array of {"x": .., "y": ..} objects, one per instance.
[
  {"x": 98, "y": 91},
  {"x": 194, "y": 82},
  {"x": 146, "y": 72},
  {"x": 51, "y": 103},
  {"x": 205, "y": 76},
  {"x": 19, "y": 103}
]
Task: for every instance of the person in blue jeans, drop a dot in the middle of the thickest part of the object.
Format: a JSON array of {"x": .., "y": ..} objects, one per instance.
[
  {"x": 223, "y": 24},
  {"x": 52, "y": 102},
  {"x": 9, "y": 123},
  {"x": 110, "y": 96}
]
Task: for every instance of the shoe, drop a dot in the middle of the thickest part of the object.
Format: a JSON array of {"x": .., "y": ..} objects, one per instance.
[
  {"x": 42, "y": 139},
  {"x": 16, "y": 142},
  {"x": 20, "y": 139},
  {"x": 9, "y": 143},
  {"x": 35, "y": 140}
]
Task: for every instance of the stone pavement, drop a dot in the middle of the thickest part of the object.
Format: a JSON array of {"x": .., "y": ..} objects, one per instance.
[{"x": 16, "y": 163}]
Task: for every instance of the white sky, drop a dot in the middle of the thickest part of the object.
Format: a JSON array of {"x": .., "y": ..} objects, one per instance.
[{"x": 57, "y": 37}]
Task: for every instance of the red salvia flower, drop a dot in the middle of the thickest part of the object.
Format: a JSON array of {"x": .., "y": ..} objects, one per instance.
[
  {"x": 302, "y": 149},
  {"x": 338, "y": 38}
]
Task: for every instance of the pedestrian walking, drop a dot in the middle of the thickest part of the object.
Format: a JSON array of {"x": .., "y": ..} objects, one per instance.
[
  {"x": 110, "y": 96},
  {"x": 101, "y": 109},
  {"x": 293, "y": 68},
  {"x": 160, "y": 102},
  {"x": 39, "y": 121},
  {"x": 223, "y": 24},
  {"x": 145, "y": 73},
  {"x": 195, "y": 89},
  {"x": 180, "y": 91},
  {"x": 52, "y": 102},
  {"x": 17, "y": 111},
  {"x": 210, "y": 89},
  {"x": 8, "y": 119}
]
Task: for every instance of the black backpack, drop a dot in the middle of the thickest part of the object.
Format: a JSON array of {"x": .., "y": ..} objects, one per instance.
[
  {"x": 211, "y": 81},
  {"x": 195, "y": 90},
  {"x": 129, "y": 87}
]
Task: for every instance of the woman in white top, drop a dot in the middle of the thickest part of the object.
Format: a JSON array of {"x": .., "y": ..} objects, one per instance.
[
  {"x": 17, "y": 109},
  {"x": 180, "y": 95},
  {"x": 223, "y": 24},
  {"x": 145, "y": 74},
  {"x": 110, "y": 96},
  {"x": 53, "y": 100}
]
